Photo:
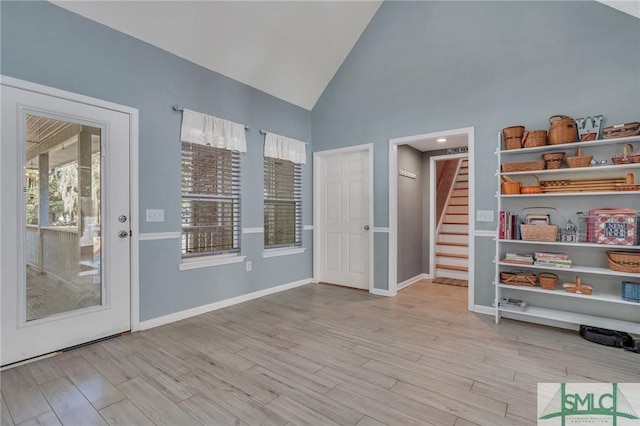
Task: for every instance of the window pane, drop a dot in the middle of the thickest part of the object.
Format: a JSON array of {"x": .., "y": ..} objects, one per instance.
[{"x": 282, "y": 203}]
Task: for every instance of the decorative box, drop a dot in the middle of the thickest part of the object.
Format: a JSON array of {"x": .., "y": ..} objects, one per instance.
[{"x": 616, "y": 229}]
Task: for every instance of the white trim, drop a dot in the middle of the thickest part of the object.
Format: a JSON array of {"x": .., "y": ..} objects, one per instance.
[
  {"x": 286, "y": 251},
  {"x": 485, "y": 310},
  {"x": 393, "y": 205},
  {"x": 317, "y": 158},
  {"x": 188, "y": 313},
  {"x": 488, "y": 234},
  {"x": 307, "y": 228},
  {"x": 259, "y": 230},
  {"x": 433, "y": 227},
  {"x": 205, "y": 262},
  {"x": 134, "y": 173},
  {"x": 411, "y": 281},
  {"x": 381, "y": 230},
  {"x": 149, "y": 236},
  {"x": 379, "y": 292}
]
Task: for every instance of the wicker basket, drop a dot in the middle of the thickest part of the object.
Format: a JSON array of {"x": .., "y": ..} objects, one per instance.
[
  {"x": 532, "y": 189},
  {"x": 522, "y": 278},
  {"x": 579, "y": 160},
  {"x": 548, "y": 280},
  {"x": 534, "y": 138},
  {"x": 578, "y": 287},
  {"x": 513, "y": 137},
  {"x": 511, "y": 188},
  {"x": 553, "y": 160},
  {"x": 624, "y": 261},
  {"x": 627, "y": 157},
  {"x": 563, "y": 130},
  {"x": 539, "y": 232},
  {"x": 621, "y": 130},
  {"x": 525, "y": 166}
]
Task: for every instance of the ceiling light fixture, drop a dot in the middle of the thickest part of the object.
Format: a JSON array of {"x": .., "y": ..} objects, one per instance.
[{"x": 441, "y": 140}]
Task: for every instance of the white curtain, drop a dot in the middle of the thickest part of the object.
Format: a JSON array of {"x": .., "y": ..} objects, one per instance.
[
  {"x": 284, "y": 148},
  {"x": 212, "y": 131}
]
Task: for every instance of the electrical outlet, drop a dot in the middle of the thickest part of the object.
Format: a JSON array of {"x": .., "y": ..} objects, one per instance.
[
  {"x": 484, "y": 216},
  {"x": 249, "y": 266},
  {"x": 155, "y": 215}
]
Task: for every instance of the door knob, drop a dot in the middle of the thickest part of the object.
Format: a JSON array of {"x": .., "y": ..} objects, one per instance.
[
  {"x": 366, "y": 227},
  {"x": 123, "y": 234}
]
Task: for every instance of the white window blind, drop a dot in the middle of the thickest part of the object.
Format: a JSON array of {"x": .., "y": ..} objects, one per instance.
[
  {"x": 210, "y": 200},
  {"x": 282, "y": 203}
]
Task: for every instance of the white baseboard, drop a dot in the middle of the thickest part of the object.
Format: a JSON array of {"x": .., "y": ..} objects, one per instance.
[
  {"x": 486, "y": 310},
  {"x": 188, "y": 313},
  {"x": 380, "y": 292},
  {"x": 413, "y": 280}
]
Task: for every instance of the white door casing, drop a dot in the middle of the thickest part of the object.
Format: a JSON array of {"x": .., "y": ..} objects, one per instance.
[
  {"x": 21, "y": 339},
  {"x": 343, "y": 218}
]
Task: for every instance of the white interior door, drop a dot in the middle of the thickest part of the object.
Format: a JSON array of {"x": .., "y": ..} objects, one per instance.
[
  {"x": 64, "y": 223},
  {"x": 344, "y": 219}
]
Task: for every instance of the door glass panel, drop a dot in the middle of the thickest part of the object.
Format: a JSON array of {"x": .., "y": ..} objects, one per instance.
[{"x": 62, "y": 238}]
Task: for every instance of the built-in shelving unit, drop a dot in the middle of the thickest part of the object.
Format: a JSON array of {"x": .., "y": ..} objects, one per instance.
[{"x": 605, "y": 307}]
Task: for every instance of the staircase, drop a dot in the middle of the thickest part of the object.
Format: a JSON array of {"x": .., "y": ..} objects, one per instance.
[{"x": 452, "y": 234}]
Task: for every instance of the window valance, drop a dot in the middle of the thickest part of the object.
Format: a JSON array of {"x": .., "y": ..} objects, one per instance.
[
  {"x": 284, "y": 148},
  {"x": 212, "y": 131}
]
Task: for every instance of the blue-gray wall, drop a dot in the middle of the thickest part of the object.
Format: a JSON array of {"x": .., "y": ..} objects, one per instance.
[
  {"x": 423, "y": 67},
  {"x": 410, "y": 227},
  {"x": 48, "y": 45}
]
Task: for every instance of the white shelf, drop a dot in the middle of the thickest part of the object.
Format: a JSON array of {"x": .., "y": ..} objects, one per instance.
[
  {"x": 571, "y": 194},
  {"x": 564, "y": 146},
  {"x": 572, "y": 318},
  {"x": 574, "y": 269},
  {"x": 560, "y": 292},
  {"x": 560, "y": 243},
  {"x": 592, "y": 169}
]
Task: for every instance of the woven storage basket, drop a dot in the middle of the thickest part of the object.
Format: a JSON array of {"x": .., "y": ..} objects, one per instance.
[
  {"x": 621, "y": 130},
  {"x": 525, "y": 166},
  {"x": 538, "y": 232},
  {"x": 511, "y": 188},
  {"x": 523, "y": 278},
  {"x": 578, "y": 287},
  {"x": 553, "y": 160},
  {"x": 548, "y": 280},
  {"x": 628, "y": 156},
  {"x": 534, "y": 138},
  {"x": 513, "y": 137},
  {"x": 563, "y": 130},
  {"x": 624, "y": 261},
  {"x": 532, "y": 189},
  {"x": 631, "y": 291},
  {"x": 579, "y": 160}
]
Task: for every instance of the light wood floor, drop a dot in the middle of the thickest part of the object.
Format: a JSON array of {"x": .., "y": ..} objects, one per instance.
[{"x": 317, "y": 355}]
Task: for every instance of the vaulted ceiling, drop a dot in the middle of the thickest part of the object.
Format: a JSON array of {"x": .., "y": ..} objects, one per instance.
[{"x": 289, "y": 49}]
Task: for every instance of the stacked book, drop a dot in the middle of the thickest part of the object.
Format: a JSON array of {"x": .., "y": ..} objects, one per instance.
[
  {"x": 554, "y": 260},
  {"x": 512, "y": 304},
  {"x": 519, "y": 258}
]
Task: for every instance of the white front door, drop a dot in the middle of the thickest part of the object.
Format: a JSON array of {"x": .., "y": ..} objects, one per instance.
[
  {"x": 343, "y": 219},
  {"x": 64, "y": 223}
]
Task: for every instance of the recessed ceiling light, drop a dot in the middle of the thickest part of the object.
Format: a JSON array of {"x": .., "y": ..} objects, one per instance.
[{"x": 441, "y": 140}]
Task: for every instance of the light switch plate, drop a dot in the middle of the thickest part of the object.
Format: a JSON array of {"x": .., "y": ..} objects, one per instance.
[
  {"x": 484, "y": 216},
  {"x": 155, "y": 215}
]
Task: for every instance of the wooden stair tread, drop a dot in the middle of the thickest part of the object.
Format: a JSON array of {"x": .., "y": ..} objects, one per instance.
[
  {"x": 456, "y": 255},
  {"x": 453, "y": 244},
  {"x": 459, "y": 196},
  {"x": 459, "y": 205},
  {"x": 455, "y": 223},
  {"x": 452, "y": 267},
  {"x": 457, "y": 214},
  {"x": 453, "y": 233}
]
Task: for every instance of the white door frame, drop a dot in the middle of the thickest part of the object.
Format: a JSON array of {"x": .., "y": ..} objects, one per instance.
[
  {"x": 133, "y": 173},
  {"x": 432, "y": 207},
  {"x": 318, "y": 157},
  {"x": 393, "y": 206}
]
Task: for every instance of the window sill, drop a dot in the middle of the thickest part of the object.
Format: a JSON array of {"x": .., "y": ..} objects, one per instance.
[
  {"x": 206, "y": 262},
  {"x": 277, "y": 252}
]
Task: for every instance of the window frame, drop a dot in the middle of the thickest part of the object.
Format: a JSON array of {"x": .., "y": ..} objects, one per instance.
[{"x": 271, "y": 185}]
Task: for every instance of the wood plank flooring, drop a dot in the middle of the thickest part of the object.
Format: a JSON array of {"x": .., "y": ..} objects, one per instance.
[{"x": 315, "y": 355}]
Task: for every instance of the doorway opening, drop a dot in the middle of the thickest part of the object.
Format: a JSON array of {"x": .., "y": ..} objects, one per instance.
[{"x": 430, "y": 211}]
